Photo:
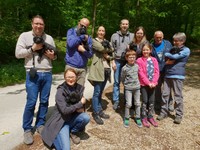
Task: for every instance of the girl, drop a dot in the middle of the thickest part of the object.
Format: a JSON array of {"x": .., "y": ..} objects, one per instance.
[{"x": 148, "y": 76}]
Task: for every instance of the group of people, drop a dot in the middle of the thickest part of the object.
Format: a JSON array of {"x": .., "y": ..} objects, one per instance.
[{"x": 152, "y": 75}]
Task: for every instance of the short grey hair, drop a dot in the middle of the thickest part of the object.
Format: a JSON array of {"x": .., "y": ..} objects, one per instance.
[{"x": 180, "y": 36}]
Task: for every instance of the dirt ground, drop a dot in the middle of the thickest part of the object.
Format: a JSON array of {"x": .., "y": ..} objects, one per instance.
[{"x": 167, "y": 136}]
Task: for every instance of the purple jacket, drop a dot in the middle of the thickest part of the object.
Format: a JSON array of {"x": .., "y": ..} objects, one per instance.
[
  {"x": 143, "y": 78},
  {"x": 73, "y": 57}
]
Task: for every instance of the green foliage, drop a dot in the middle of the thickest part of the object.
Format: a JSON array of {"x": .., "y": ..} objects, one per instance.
[{"x": 170, "y": 16}]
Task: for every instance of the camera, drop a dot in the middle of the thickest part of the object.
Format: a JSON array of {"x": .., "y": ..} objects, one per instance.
[
  {"x": 46, "y": 46},
  {"x": 33, "y": 72}
]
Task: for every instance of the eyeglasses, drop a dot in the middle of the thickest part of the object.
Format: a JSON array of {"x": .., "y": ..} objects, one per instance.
[
  {"x": 82, "y": 26},
  {"x": 131, "y": 57},
  {"x": 70, "y": 77}
]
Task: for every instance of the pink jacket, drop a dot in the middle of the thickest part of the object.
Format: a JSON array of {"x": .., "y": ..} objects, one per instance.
[{"x": 142, "y": 63}]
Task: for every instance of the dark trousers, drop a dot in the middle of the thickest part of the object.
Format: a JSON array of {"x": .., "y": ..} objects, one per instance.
[{"x": 148, "y": 97}]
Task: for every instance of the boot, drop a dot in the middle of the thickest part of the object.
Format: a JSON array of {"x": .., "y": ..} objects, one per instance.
[{"x": 97, "y": 119}]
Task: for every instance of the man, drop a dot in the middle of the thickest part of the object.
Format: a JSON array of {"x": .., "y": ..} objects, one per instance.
[
  {"x": 38, "y": 65},
  {"x": 120, "y": 41},
  {"x": 160, "y": 47},
  {"x": 174, "y": 78},
  {"x": 79, "y": 49}
]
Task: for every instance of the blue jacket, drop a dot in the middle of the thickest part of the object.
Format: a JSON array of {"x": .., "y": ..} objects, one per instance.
[
  {"x": 73, "y": 57},
  {"x": 177, "y": 70},
  {"x": 161, "y": 62}
]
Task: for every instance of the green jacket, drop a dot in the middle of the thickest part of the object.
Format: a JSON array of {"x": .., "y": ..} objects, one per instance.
[{"x": 96, "y": 71}]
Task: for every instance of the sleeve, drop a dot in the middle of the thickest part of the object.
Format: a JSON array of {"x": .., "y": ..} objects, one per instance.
[
  {"x": 89, "y": 53},
  {"x": 123, "y": 74},
  {"x": 184, "y": 53},
  {"x": 22, "y": 50},
  {"x": 61, "y": 104},
  {"x": 73, "y": 40},
  {"x": 156, "y": 72}
]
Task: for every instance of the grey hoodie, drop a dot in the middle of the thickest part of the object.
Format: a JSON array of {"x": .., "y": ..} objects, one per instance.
[{"x": 120, "y": 43}]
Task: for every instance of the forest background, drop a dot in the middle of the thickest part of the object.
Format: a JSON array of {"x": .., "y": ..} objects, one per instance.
[{"x": 170, "y": 16}]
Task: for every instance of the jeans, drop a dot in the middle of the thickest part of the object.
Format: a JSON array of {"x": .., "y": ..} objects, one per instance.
[
  {"x": 117, "y": 76},
  {"x": 39, "y": 85},
  {"x": 96, "y": 99},
  {"x": 76, "y": 124}
]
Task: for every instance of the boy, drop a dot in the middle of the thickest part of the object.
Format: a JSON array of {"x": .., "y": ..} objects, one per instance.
[{"x": 129, "y": 78}]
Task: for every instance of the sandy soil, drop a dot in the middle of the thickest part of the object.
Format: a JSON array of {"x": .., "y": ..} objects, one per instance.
[{"x": 114, "y": 136}]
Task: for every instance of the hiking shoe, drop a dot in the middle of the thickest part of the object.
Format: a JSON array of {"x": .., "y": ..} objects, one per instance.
[
  {"x": 39, "y": 129},
  {"x": 115, "y": 106},
  {"x": 145, "y": 123},
  {"x": 28, "y": 137},
  {"x": 126, "y": 122},
  {"x": 178, "y": 120},
  {"x": 97, "y": 119},
  {"x": 103, "y": 115},
  {"x": 138, "y": 122},
  {"x": 75, "y": 138},
  {"x": 153, "y": 122},
  {"x": 171, "y": 107},
  {"x": 161, "y": 117}
]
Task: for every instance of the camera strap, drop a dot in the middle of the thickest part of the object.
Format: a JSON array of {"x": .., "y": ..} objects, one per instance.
[{"x": 33, "y": 61}]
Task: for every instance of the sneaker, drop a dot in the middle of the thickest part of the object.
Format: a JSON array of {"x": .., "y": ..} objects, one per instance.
[
  {"x": 126, "y": 122},
  {"x": 138, "y": 122},
  {"x": 28, "y": 137},
  {"x": 115, "y": 106},
  {"x": 145, "y": 123},
  {"x": 171, "y": 107},
  {"x": 97, "y": 119},
  {"x": 178, "y": 120},
  {"x": 161, "y": 117},
  {"x": 153, "y": 122},
  {"x": 103, "y": 115},
  {"x": 39, "y": 129},
  {"x": 75, "y": 138}
]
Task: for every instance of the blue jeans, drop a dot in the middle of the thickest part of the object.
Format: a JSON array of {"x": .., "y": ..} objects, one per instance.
[
  {"x": 117, "y": 76},
  {"x": 96, "y": 99},
  {"x": 76, "y": 124},
  {"x": 40, "y": 85}
]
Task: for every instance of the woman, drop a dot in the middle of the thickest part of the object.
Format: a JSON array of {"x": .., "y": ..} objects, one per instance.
[
  {"x": 68, "y": 116},
  {"x": 100, "y": 72},
  {"x": 139, "y": 40}
]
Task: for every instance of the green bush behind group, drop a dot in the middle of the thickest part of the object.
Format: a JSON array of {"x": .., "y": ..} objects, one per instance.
[{"x": 170, "y": 16}]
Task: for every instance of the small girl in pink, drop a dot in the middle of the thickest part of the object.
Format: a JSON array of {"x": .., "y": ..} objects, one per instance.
[{"x": 148, "y": 77}]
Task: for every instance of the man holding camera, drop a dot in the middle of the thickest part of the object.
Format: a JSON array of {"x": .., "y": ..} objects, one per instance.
[
  {"x": 38, "y": 75},
  {"x": 79, "y": 49}
]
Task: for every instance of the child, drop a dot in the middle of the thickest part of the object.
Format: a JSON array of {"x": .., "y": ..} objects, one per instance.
[
  {"x": 129, "y": 78},
  {"x": 174, "y": 77},
  {"x": 148, "y": 76}
]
